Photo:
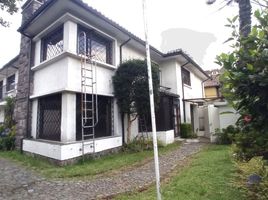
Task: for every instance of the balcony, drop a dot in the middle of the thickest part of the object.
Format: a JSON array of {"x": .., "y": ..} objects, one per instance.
[{"x": 8, "y": 91}]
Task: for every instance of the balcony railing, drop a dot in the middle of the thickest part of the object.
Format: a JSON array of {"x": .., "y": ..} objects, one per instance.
[{"x": 8, "y": 91}]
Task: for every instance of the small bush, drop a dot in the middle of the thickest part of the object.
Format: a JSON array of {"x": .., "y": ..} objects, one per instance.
[
  {"x": 7, "y": 139},
  {"x": 226, "y": 135},
  {"x": 186, "y": 130},
  {"x": 138, "y": 145},
  {"x": 258, "y": 167}
]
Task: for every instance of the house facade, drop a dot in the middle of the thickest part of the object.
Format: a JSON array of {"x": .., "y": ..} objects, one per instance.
[
  {"x": 57, "y": 35},
  {"x": 8, "y": 84}
]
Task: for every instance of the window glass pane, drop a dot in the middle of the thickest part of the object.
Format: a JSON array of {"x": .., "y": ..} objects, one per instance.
[
  {"x": 186, "y": 77},
  {"x": 49, "y": 118},
  {"x": 11, "y": 83},
  {"x": 1, "y": 90},
  {"x": 95, "y": 45},
  {"x": 53, "y": 44}
]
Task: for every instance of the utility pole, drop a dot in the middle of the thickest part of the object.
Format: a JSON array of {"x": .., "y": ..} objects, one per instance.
[{"x": 151, "y": 93}]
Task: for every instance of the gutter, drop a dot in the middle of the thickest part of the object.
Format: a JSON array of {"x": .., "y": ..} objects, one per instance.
[
  {"x": 182, "y": 84},
  {"x": 122, "y": 114}
]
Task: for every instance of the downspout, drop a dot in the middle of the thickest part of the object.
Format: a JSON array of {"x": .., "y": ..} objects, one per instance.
[
  {"x": 122, "y": 114},
  {"x": 183, "y": 102},
  {"x": 29, "y": 90}
]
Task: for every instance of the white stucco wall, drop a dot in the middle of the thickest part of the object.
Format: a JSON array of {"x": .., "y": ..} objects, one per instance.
[
  {"x": 67, "y": 151},
  {"x": 51, "y": 78},
  {"x": 129, "y": 53},
  {"x": 2, "y": 114},
  {"x": 169, "y": 76},
  {"x": 228, "y": 116}
]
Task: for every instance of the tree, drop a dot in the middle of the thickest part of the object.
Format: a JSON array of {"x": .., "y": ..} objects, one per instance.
[
  {"x": 244, "y": 14},
  {"x": 131, "y": 89},
  {"x": 10, "y": 7},
  {"x": 245, "y": 85}
]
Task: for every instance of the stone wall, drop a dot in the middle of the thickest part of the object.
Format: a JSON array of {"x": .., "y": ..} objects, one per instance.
[{"x": 25, "y": 80}]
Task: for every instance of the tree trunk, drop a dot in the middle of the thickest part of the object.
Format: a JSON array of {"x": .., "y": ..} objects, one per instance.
[
  {"x": 129, "y": 122},
  {"x": 244, "y": 17}
]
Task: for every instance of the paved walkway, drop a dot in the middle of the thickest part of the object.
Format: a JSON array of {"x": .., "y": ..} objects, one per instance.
[{"x": 19, "y": 183}]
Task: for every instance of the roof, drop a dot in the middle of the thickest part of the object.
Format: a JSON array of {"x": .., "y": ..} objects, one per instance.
[
  {"x": 215, "y": 78},
  {"x": 10, "y": 63},
  {"x": 49, "y": 3}
]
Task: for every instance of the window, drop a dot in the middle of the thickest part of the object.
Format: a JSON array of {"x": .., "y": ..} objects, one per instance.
[
  {"x": 1, "y": 90},
  {"x": 49, "y": 118},
  {"x": 94, "y": 45},
  {"x": 52, "y": 45},
  {"x": 104, "y": 127},
  {"x": 186, "y": 78},
  {"x": 11, "y": 83}
]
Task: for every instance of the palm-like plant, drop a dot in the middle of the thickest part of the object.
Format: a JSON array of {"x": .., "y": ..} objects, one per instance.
[{"x": 244, "y": 14}]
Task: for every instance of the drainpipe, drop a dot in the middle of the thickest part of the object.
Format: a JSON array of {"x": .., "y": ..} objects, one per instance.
[
  {"x": 122, "y": 114},
  {"x": 182, "y": 84},
  {"x": 29, "y": 90}
]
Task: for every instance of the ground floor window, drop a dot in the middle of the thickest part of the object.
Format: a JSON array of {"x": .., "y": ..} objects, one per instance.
[
  {"x": 164, "y": 116},
  {"x": 104, "y": 126},
  {"x": 49, "y": 117}
]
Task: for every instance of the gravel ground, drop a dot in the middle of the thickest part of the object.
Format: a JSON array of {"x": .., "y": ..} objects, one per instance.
[{"x": 17, "y": 182}]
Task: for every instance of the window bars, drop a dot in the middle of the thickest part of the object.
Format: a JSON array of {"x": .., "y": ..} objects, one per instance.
[
  {"x": 49, "y": 118},
  {"x": 95, "y": 46},
  {"x": 52, "y": 44}
]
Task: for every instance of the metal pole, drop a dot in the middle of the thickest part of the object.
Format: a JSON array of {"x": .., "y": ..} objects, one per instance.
[{"x": 151, "y": 93}]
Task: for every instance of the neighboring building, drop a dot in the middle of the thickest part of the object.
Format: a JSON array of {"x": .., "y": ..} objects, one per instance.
[
  {"x": 215, "y": 113},
  {"x": 8, "y": 83},
  {"x": 212, "y": 86},
  {"x": 55, "y": 34}
]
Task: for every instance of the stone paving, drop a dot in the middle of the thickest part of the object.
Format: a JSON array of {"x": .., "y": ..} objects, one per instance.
[{"x": 19, "y": 183}]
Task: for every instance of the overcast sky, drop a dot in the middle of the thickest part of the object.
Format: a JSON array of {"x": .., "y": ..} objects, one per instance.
[{"x": 188, "y": 24}]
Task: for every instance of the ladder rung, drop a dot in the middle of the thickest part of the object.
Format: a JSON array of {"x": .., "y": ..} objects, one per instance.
[
  {"x": 87, "y": 85},
  {"x": 90, "y": 143},
  {"x": 86, "y": 77},
  {"x": 87, "y": 135},
  {"x": 92, "y": 126},
  {"x": 90, "y": 70},
  {"x": 87, "y": 118},
  {"x": 87, "y": 101}
]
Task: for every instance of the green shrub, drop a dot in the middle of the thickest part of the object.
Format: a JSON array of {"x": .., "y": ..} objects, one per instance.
[
  {"x": 7, "y": 142},
  {"x": 139, "y": 144},
  {"x": 226, "y": 135},
  {"x": 255, "y": 166},
  {"x": 186, "y": 130}
]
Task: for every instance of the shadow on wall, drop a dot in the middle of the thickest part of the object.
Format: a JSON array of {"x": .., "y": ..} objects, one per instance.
[{"x": 193, "y": 42}]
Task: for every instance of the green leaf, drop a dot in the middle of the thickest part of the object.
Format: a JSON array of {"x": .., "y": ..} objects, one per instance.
[{"x": 250, "y": 67}]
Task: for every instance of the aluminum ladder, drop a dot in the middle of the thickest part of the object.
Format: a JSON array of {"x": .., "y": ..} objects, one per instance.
[{"x": 89, "y": 98}]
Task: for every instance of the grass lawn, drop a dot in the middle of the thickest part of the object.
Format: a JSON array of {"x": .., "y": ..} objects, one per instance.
[
  {"x": 209, "y": 176},
  {"x": 88, "y": 168}
]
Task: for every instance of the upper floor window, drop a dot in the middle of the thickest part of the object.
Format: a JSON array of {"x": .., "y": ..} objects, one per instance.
[
  {"x": 1, "y": 90},
  {"x": 11, "y": 83},
  {"x": 52, "y": 44},
  {"x": 186, "y": 78},
  {"x": 94, "y": 45}
]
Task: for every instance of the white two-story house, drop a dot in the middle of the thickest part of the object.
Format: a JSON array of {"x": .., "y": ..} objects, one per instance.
[
  {"x": 8, "y": 84},
  {"x": 54, "y": 33}
]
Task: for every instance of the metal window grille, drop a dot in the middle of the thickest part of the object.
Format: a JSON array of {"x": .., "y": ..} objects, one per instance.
[
  {"x": 53, "y": 44},
  {"x": 11, "y": 83},
  {"x": 49, "y": 118},
  {"x": 1, "y": 90},
  {"x": 95, "y": 45},
  {"x": 164, "y": 116},
  {"x": 186, "y": 78},
  {"x": 105, "y": 114}
]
